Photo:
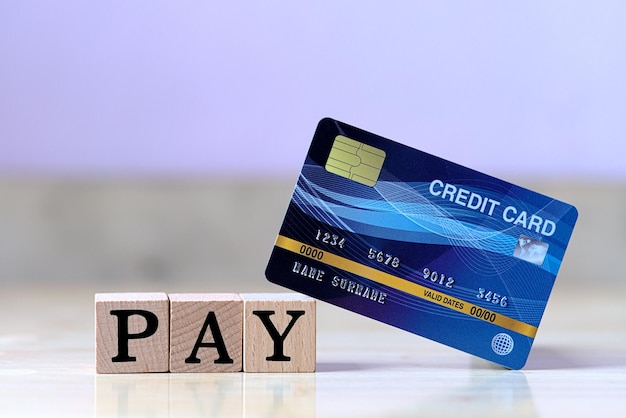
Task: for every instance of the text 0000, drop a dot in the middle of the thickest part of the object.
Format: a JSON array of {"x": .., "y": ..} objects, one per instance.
[{"x": 311, "y": 252}]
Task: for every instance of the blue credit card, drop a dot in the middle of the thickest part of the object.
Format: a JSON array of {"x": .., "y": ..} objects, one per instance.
[{"x": 421, "y": 243}]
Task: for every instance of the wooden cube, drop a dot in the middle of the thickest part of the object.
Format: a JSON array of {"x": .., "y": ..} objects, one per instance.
[
  {"x": 132, "y": 332},
  {"x": 279, "y": 332},
  {"x": 206, "y": 332}
]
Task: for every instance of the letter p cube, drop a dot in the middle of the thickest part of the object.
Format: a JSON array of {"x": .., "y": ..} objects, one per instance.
[{"x": 132, "y": 332}]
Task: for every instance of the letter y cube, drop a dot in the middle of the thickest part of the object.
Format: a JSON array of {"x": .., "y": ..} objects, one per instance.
[{"x": 279, "y": 332}]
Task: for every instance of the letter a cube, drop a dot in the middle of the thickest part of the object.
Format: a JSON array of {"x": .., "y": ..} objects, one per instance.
[
  {"x": 132, "y": 332},
  {"x": 279, "y": 332},
  {"x": 206, "y": 332}
]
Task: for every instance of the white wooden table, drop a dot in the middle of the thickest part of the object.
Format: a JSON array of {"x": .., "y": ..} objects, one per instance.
[{"x": 364, "y": 369}]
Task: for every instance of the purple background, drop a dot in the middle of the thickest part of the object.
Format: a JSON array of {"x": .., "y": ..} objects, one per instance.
[{"x": 236, "y": 88}]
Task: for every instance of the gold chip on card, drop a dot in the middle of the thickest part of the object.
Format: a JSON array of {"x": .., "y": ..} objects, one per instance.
[{"x": 355, "y": 160}]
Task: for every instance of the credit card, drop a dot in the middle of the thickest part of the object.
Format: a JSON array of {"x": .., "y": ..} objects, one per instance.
[{"x": 421, "y": 243}]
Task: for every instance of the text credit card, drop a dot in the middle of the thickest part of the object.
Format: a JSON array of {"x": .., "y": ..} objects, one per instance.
[{"x": 421, "y": 243}]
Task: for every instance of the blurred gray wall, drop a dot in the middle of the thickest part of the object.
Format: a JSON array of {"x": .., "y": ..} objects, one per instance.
[{"x": 193, "y": 231}]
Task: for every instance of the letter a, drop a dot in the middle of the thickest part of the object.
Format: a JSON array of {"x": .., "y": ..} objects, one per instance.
[{"x": 211, "y": 321}]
